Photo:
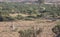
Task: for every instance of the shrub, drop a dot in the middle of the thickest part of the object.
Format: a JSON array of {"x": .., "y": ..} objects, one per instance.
[
  {"x": 1, "y": 18},
  {"x": 19, "y": 17},
  {"x": 29, "y": 32},
  {"x": 29, "y": 18},
  {"x": 6, "y": 18},
  {"x": 25, "y": 33},
  {"x": 38, "y": 16},
  {"x": 10, "y": 18},
  {"x": 56, "y": 29}
]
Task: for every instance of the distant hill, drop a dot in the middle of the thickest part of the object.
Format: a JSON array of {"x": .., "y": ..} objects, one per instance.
[
  {"x": 49, "y": 1},
  {"x": 15, "y": 0}
]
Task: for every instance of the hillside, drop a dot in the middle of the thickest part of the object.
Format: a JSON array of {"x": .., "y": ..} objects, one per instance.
[{"x": 29, "y": 20}]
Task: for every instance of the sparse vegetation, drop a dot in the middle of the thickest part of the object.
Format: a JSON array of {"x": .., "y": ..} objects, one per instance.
[
  {"x": 29, "y": 32},
  {"x": 28, "y": 9},
  {"x": 56, "y": 30},
  {"x": 44, "y": 15}
]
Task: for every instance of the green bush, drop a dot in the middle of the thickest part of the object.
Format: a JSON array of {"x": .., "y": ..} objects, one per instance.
[
  {"x": 26, "y": 33},
  {"x": 19, "y": 17},
  {"x": 56, "y": 29},
  {"x": 7, "y": 18},
  {"x": 1, "y": 18},
  {"x": 30, "y": 32},
  {"x": 38, "y": 16},
  {"x": 10, "y": 18},
  {"x": 29, "y": 18}
]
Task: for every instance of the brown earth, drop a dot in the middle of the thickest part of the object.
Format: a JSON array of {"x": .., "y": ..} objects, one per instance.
[{"x": 6, "y": 30}]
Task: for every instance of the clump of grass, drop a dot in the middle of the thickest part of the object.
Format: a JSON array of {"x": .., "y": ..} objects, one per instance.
[
  {"x": 25, "y": 33},
  {"x": 29, "y": 33}
]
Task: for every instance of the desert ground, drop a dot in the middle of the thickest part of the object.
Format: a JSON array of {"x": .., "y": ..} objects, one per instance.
[{"x": 46, "y": 25}]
